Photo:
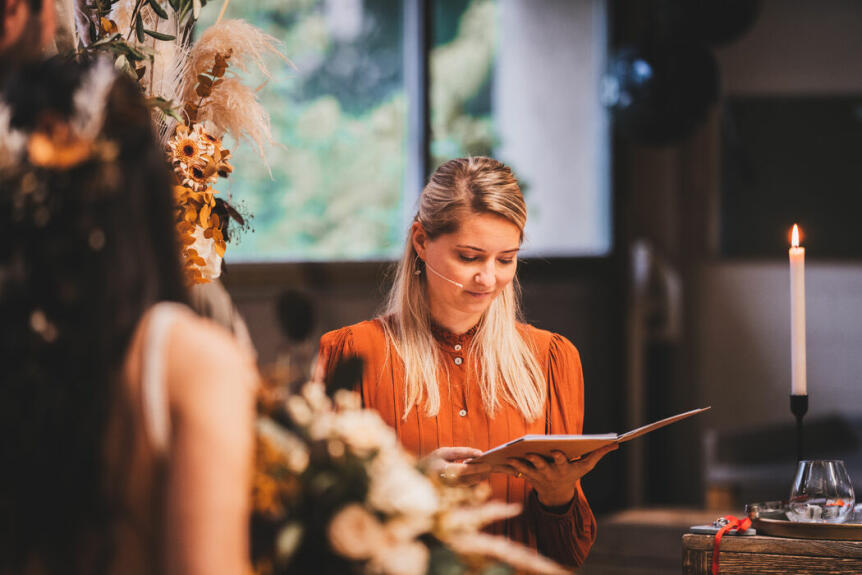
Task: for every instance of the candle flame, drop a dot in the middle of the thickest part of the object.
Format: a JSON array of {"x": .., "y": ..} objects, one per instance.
[{"x": 794, "y": 242}]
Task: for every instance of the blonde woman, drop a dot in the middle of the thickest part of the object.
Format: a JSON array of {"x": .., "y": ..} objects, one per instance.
[{"x": 451, "y": 368}]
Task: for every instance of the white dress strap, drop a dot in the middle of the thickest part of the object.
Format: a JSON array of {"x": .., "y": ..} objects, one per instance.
[{"x": 154, "y": 396}]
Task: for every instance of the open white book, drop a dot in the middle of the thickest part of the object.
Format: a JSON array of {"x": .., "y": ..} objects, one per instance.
[{"x": 574, "y": 446}]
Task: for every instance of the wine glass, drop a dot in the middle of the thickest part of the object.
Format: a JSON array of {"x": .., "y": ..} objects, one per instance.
[{"x": 822, "y": 492}]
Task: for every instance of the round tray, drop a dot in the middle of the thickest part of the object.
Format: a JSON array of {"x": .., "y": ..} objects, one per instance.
[{"x": 770, "y": 519}]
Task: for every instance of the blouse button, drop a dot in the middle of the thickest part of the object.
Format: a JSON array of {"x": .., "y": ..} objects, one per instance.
[
  {"x": 458, "y": 361},
  {"x": 463, "y": 413},
  {"x": 457, "y": 347}
]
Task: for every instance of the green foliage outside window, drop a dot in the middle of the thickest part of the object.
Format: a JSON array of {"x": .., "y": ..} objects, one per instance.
[{"x": 333, "y": 190}]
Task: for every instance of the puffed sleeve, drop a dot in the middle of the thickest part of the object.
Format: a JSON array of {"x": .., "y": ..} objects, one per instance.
[
  {"x": 359, "y": 340},
  {"x": 564, "y": 533},
  {"x": 334, "y": 346}
]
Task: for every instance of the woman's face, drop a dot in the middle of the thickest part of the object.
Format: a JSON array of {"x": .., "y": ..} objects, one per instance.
[{"x": 482, "y": 256}]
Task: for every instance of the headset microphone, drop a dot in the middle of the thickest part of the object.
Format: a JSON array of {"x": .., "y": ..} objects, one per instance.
[{"x": 453, "y": 282}]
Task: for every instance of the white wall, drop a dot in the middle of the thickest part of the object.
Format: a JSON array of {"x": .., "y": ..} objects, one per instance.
[
  {"x": 552, "y": 127},
  {"x": 743, "y": 342}
]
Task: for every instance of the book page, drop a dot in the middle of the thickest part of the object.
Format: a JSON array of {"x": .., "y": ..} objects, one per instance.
[
  {"x": 573, "y": 446},
  {"x": 659, "y": 424}
]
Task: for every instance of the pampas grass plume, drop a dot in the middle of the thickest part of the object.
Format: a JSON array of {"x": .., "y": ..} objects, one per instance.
[
  {"x": 233, "y": 107},
  {"x": 246, "y": 44}
]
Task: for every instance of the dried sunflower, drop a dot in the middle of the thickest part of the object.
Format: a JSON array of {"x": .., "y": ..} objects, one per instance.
[
  {"x": 193, "y": 156},
  {"x": 198, "y": 161}
]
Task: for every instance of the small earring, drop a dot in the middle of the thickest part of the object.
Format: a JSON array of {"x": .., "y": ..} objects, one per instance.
[{"x": 416, "y": 263}]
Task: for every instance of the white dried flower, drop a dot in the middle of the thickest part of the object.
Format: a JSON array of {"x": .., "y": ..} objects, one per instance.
[
  {"x": 297, "y": 461},
  {"x": 347, "y": 400},
  {"x": 407, "y": 528},
  {"x": 523, "y": 559},
  {"x": 364, "y": 432},
  {"x": 408, "y": 558},
  {"x": 355, "y": 533},
  {"x": 471, "y": 519},
  {"x": 482, "y": 491},
  {"x": 298, "y": 410},
  {"x": 290, "y": 446},
  {"x": 321, "y": 426},
  {"x": 398, "y": 488},
  {"x": 315, "y": 394}
]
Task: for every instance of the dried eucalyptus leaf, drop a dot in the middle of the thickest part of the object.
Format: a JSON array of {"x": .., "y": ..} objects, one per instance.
[
  {"x": 159, "y": 35},
  {"x": 131, "y": 53},
  {"x": 105, "y": 40},
  {"x": 164, "y": 106},
  {"x": 157, "y": 8},
  {"x": 139, "y": 27}
]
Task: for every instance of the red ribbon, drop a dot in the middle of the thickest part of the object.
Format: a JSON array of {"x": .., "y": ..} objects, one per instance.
[{"x": 741, "y": 525}]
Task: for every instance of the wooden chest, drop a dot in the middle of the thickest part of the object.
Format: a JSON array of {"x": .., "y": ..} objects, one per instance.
[{"x": 762, "y": 555}]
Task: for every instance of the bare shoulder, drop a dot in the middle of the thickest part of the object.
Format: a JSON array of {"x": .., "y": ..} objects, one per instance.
[
  {"x": 194, "y": 334},
  {"x": 202, "y": 354}
]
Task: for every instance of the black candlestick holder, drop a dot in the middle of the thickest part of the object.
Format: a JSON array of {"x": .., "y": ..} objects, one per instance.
[{"x": 799, "y": 407}]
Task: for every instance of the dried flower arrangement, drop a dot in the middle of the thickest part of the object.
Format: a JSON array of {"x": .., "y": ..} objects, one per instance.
[
  {"x": 196, "y": 101},
  {"x": 335, "y": 492}
]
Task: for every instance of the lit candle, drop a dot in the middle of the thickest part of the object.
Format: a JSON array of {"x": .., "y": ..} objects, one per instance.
[{"x": 797, "y": 315}]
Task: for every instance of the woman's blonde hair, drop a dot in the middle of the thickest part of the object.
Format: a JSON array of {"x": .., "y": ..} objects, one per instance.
[{"x": 506, "y": 366}]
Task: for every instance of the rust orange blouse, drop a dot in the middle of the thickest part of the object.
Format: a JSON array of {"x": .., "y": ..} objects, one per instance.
[{"x": 566, "y": 535}]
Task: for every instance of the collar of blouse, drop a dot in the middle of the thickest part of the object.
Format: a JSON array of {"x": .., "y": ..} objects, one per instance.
[{"x": 451, "y": 340}]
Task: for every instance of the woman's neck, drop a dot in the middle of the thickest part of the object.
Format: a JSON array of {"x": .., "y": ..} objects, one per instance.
[{"x": 454, "y": 321}]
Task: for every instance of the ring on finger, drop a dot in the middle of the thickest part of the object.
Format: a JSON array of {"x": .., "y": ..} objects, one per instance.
[
  {"x": 448, "y": 474},
  {"x": 519, "y": 474}
]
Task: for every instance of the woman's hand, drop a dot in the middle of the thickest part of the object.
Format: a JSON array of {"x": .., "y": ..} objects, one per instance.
[
  {"x": 448, "y": 464},
  {"x": 553, "y": 481}
]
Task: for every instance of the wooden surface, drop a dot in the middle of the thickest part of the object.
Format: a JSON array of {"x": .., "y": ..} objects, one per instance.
[
  {"x": 642, "y": 541},
  {"x": 761, "y": 555}
]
